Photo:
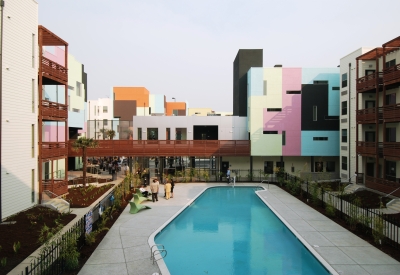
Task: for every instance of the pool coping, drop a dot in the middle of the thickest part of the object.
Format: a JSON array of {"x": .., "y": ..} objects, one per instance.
[{"x": 164, "y": 269}]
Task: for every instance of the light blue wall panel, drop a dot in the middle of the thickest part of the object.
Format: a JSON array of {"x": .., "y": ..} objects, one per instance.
[
  {"x": 309, "y": 75},
  {"x": 159, "y": 104},
  {"x": 310, "y": 147},
  {"x": 255, "y": 82}
]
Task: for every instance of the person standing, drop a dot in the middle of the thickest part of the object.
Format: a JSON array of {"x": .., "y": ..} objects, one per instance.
[
  {"x": 172, "y": 188},
  {"x": 154, "y": 186},
  {"x": 168, "y": 190},
  {"x": 126, "y": 169},
  {"x": 228, "y": 175}
]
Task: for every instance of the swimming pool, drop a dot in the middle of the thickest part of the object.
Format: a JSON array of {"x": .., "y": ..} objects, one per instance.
[{"x": 231, "y": 231}]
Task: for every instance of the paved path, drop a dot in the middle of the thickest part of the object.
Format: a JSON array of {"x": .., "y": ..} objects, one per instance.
[{"x": 126, "y": 250}]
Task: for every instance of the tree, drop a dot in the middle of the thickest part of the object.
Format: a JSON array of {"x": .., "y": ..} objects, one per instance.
[
  {"x": 110, "y": 134},
  {"x": 84, "y": 143}
]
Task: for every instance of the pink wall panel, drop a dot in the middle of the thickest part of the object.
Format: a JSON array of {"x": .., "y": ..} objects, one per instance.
[
  {"x": 58, "y": 56},
  {"x": 51, "y": 132},
  {"x": 289, "y": 119}
]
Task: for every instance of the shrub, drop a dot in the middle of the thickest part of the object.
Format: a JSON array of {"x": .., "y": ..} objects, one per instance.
[{"x": 378, "y": 230}]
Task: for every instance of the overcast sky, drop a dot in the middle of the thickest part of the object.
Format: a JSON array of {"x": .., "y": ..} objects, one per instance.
[{"x": 185, "y": 49}]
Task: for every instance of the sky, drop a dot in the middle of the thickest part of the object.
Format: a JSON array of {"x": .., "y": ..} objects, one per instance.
[{"x": 185, "y": 49}]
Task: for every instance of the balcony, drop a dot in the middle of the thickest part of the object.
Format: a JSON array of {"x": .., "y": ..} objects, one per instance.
[
  {"x": 368, "y": 115},
  {"x": 382, "y": 185},
  {"x": 201, "y": 148},
  {"x": 54, "y": 71},
  {"x": 391, "y": 150},
  {"x": 368, "y": 83},
  {"x": 56, "y": 186},
  {"x": 54, "y": 150},
  {"x": 53, "y": 111},
  {"x": 392, "y": 75},
  {"x": 391, "y": 113},
  {"x": 367, "y": 148}
]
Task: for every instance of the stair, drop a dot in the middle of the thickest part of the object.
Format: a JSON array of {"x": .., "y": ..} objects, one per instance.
[
  {"x": 394, "y": 205},
  {"x": 57, "y": 204},
  {"x": 351, "y": 188}
]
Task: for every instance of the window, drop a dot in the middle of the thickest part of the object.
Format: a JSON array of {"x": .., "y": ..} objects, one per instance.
[
  {"x": 335, "y": 88},
  {"x": 314, "y": 113},
  {"x": 320, "y": 81},
  {"x": 319, "y": 166},
  {"x": 274, "y": 109},
  {"x": 78, "y": 89},
  {"x": 344, "y": 163},
  {"x": 265, "y": 87},
  {"x": 390, "y": 63},
  {"x": 280, "y": 164},
  {"x": 33, "y": 140},
  {"x": 139, "y": 133},
  {"x": 283, "y": 137},
  {"x": 174, "y": 112},
  {"x": 105, "y": 122},
  {"x": 330, "y": 166},
  {"x": 33, "y": 95},
  {"x": 344, "y": 108},
  {"x": 344, "y": 80},
  {"x": 69, "y": 103},
  {"x": 149, "y": 110},
  {"x": 152, "y": 133},
  {"x": 33, "y": 50},
  {"x": 293, "y": 92},
  {"x": 320, "y": 138},
  {"x": 95, "y": 110},
  {"x": 344, "y": 135},
  {"x": 105, "y": 109},
  {"x": 390, "y": 170},
  {"x": 268, "y": 167},
  {"x": 76, "y": 110},
  {"x": 391, "y": 99},
  {"x": 390, "y": 134},
  {"x": 270, "y": 132},
  {"x": 33, "y": 185}
]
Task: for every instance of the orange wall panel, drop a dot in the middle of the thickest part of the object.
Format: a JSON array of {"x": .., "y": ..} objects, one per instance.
[
  {"x": 170, "y": 106},
  {"x": 140, "y": 94}
]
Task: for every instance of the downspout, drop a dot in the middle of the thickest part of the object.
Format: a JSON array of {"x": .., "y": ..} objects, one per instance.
[
  {"x": 349, "y": 115},
  {"x": 1, "y": 96},
  {"x": 356, "y": 124}
]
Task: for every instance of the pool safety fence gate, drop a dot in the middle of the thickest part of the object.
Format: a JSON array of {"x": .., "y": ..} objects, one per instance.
[
  {"x": 50, "y": 260},
  {"x": 371, "y": 221}
]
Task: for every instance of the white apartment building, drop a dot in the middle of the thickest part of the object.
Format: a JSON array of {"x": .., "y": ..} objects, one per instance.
[{"x": 19, "y": 108}]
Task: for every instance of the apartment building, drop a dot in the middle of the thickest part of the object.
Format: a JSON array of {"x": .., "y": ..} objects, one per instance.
[
  {"x": 293, "y": 120},
  {"x": 19, "y": 111},
  {"x": 377, "y": 125},
  {"x": 348, "y": 108}
]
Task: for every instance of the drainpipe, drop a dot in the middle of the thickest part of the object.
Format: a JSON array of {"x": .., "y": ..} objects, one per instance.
[
  {"x": 349, "y": 115},
  {"x": 1, "y": 94}
]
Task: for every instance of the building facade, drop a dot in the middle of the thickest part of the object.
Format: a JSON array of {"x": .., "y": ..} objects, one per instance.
[{"x": 19, "y": 111}]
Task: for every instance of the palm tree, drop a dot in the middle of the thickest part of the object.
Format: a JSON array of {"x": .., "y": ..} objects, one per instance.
[
  {"x": 84, "y": 143},
  {"x": 110, "y": 133},
  {"x": 103, "y": 132}
]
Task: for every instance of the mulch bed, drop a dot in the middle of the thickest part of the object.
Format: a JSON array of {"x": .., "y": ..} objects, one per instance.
[
  {"x": 359, "y": 231},
  {"x": 368, "y": 199},
  {"x": 80, "y": 197},
  {"x": 26, "y": 231}
]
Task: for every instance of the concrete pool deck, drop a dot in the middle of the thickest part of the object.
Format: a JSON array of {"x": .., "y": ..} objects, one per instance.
[{"x": 125, "y": 249}]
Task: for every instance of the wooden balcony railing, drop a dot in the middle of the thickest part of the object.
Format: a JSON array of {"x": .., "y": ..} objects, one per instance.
[
  {"x": 392, "y": 150},
  {"x": 382, "y": 185},
  {"x": 54, "y": 71},
  {"x": 54, "y": 150},
  {"x": 391, "y": 75},
  {"x": 201, "y": 148},
  {"x": 367, "y": 148},
  {"x": 391, "y": 113},
  {"x": 368, "y": 82},
  {"x": 368, "y": 115},
  {"x": 56, "y": 186},
  {"x": 53, "y": 111}
]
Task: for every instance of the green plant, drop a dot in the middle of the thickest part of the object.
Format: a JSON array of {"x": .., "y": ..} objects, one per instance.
[
  {"x": 378, "y": 230},
  {"x": 192, "y": 174},
  {"x": 16, "y": 247},
  {"x": 354, "y": 216},
  {"x": 206, "y": 175},
  {"x": 330, "y": 210},
  {"x": 315, "y": 192},
  {"x": 69, "y": 252},
  {"x": 3, "y": 262},
  {"x": 46, "y": 233}
]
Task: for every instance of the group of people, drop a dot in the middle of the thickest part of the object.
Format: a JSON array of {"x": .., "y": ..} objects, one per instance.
[{"x": 154, "y": 189}]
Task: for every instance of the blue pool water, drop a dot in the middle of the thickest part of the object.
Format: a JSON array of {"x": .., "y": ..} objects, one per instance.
[{"x": 231, "y": 231}]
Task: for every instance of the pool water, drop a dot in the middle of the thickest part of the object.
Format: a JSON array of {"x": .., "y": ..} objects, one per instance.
[{"x": 231, "y": 231}]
